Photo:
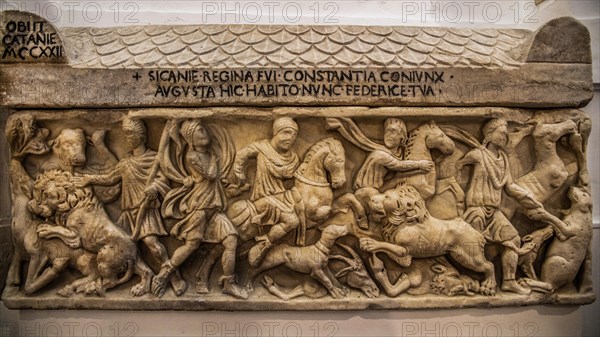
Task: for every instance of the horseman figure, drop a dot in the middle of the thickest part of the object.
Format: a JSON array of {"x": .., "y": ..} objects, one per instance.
[
  {"x": 272, "y": 203},
  {"x": 379, "y": 162},
  {"x": 383, "y": 159}
]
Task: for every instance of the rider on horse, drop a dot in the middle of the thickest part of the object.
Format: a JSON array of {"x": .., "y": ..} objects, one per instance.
[
  {"x": 377, "y": 165},
  {"x": 382, "y": 158},
  {"x": 274, "y": 204}
]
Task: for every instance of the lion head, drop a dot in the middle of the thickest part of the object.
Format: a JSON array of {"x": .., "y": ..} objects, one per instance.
[
  {"x": 54, "y": 191},
  {"x": 447, "y": 281},
  {"x": 398, "y": 206}
]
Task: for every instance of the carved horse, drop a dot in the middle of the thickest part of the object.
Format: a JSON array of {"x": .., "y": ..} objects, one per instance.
[
  {"x": 325, "y": 158},
  {"x": 549, "y": 172},
  {"x": 421, "y": 142},
  {"x": 322, "y": 170}
]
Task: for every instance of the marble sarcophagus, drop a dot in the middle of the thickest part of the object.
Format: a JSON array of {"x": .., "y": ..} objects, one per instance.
[{"x": 241, "y": 167}]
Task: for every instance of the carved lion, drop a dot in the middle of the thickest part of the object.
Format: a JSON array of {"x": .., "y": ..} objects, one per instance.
[
  {"x": 84, "y": 223},
  {"x": 410, "y": 231}
]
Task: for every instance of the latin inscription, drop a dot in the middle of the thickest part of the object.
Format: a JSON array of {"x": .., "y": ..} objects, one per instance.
[
  {"x": 294, "y": 83},
  {"x": 27, "y": 40}
]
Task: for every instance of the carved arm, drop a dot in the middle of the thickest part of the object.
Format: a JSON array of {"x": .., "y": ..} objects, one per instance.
[
  {"x": 396, "y": 164},
  {"x": 103, "y": 180},
  {"x": 401, "y": 285},
  {"x": 395, "y": 252},
  {"x": 241, "y": 158}
]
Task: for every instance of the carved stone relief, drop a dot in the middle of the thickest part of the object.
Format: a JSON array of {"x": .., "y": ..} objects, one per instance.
[
  {"x": 325, "y": 208},
  {"x": 437, "y": 200}
]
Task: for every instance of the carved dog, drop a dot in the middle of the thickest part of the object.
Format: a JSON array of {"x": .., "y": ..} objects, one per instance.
[
  {"x": 311, "y": 260},
  {"x": 81, "y": 221},
  {"x": 410, "y": 231},
  {"x": 356, "y": 276},
  {"x": 564, "y": 258}
]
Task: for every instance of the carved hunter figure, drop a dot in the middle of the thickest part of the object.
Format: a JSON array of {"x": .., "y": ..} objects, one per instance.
[
  {"x": 271, "y": 203},
  {"x": 200, "y": 165},
  {"x": 337, "y": 163},
  {"x": 372, "y": 177},
  {"x": 491, "y": 176},
  {"x": 140, "y": 204}
]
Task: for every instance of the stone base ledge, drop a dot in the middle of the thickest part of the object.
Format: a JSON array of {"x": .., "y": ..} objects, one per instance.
[{"x": 194, "y": 302}]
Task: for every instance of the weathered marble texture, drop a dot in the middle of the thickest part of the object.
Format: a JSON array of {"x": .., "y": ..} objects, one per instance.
[
  {"x": 355, "y": 65},
  {"x": 312, "y": 126},
  {"x": 296, "y": 167}
]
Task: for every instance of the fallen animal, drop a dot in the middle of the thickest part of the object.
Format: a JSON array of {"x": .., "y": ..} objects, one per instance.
[{"x": 434, "y": 275}]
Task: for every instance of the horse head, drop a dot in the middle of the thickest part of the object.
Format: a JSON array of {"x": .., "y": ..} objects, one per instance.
[
  {"x": 335, "y": 163},
  {"x": 437, "y": 139},
  {"x": 324, "y": 164},
  {"x": 554, "y": 131}
]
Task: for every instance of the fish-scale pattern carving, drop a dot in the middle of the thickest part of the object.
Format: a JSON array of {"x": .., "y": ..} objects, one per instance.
[{"x": 305, "y": 46}]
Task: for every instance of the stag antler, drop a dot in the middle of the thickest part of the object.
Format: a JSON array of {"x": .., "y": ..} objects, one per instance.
[{"x": 353, "y": 264}]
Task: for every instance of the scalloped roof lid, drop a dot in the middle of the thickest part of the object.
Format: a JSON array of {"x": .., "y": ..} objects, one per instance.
[
  {"x": 235, "y": 46},
  {"x": 562, "y": 40}
]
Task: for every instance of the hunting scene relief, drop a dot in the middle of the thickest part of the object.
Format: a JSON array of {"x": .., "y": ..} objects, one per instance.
[{"x": 393, "y": 211}]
